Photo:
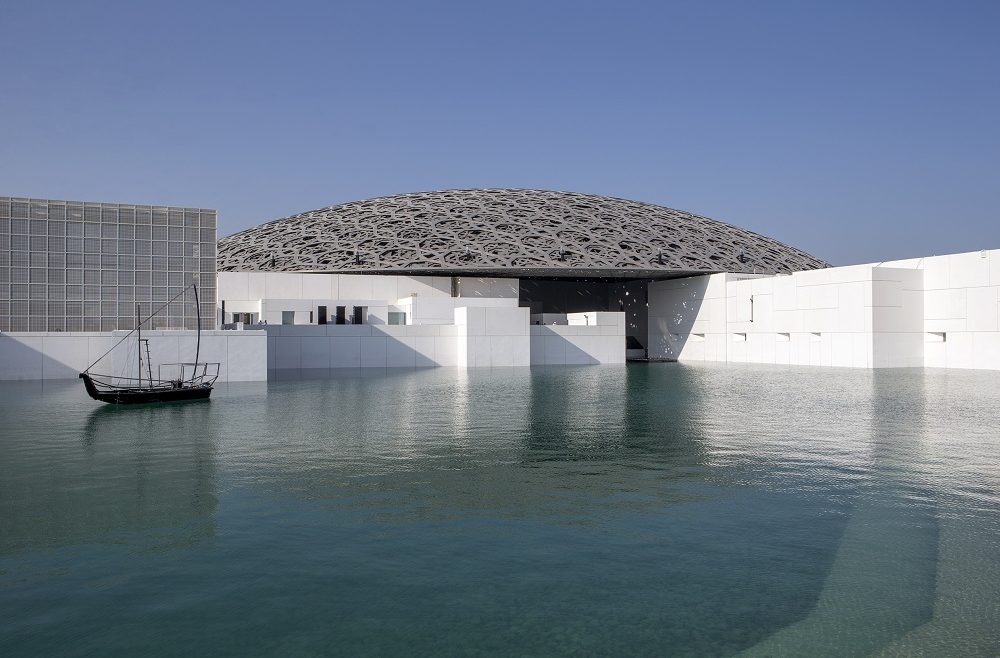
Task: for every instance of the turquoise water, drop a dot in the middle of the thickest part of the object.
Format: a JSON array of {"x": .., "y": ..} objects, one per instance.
[{"x": 658, "y": 509}]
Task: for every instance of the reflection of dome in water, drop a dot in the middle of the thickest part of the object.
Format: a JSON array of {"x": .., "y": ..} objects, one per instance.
[{"x": 506, "y": 232}]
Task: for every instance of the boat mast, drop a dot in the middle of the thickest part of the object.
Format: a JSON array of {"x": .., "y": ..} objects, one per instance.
[
  {"x": 197, "y": 349},
  {"x": 138, "y": 341}
]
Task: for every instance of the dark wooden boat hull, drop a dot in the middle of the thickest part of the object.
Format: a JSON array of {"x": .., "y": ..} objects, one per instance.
[{"x": 146, "y": 395}]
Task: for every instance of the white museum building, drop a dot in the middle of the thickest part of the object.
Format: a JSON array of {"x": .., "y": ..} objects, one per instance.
[{"x": 470, "y": 278}]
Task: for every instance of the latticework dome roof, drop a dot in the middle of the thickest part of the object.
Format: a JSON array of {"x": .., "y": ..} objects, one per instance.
[{"x": 506, "y": 232}]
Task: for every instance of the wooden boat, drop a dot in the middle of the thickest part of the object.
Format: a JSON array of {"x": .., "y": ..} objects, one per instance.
[{"x": 192, "y": 381}]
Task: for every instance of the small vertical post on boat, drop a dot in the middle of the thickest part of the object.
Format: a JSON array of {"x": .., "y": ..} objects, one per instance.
[{"x": 197, "y": 349}]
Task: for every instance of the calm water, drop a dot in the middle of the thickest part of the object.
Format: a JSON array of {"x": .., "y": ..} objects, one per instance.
[{"x": 642, "y": 510}]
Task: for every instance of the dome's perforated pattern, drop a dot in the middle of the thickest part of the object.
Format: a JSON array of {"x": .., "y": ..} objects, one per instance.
[{"x": 521, "y": 231}]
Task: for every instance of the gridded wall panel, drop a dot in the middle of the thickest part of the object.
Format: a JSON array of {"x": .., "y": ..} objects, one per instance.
[{"x": 80, "y": 266}]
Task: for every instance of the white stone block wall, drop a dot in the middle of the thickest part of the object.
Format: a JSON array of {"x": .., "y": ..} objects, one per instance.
[
  {"x": 961, "y": 323},
  {"x": 301, "y": 292},
  {"x": 846, "y": 317},
  {"x": 270, "y": 293},
  {"x": 688, "y": 316},
  {"x": 600, "y": 340},
  {"x": 321, "y": 347},
  {"x": 941, "y": 311},
  {"x": 242, "y": 355},
  {"x": 490, "y": 337}
]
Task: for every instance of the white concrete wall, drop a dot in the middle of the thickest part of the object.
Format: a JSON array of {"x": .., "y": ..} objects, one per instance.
[
  {"x": 600, "y": 340},
  {"x": 427, "y": 300},
  {"x": 687, "y": 317},
  {"x": 860, "y": 317},
  {"x": 961, "y": 322},
  {"x": 242, "y": 355},
  {"x": 482, "y": 327},
  {"x": 477, "y": 337},
  {"x": 320, "y": 347},
  {"x": 492, "y": 336},
  {"x": 941, "y": 311}
]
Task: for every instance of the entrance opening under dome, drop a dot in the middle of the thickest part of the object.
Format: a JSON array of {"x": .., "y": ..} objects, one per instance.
[{"x": 551, "y": 298}]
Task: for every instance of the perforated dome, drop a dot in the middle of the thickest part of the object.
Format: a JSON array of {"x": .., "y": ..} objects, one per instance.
[{"x": 506, "y": 232}]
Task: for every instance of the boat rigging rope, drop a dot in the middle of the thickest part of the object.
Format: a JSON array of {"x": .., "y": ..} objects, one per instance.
[{"x": 162, "y": 306}]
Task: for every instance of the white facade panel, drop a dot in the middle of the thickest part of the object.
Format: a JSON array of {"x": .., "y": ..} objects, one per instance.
[{"x": 858, "y": 316}]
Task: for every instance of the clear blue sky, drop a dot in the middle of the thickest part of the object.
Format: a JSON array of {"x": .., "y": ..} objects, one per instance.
[{"x": 859, "y": 131}]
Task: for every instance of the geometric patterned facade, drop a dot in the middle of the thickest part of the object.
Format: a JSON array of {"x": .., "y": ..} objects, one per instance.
[
  {"x": 81, "y": 266},
  {"x": 507, "y": 232}
]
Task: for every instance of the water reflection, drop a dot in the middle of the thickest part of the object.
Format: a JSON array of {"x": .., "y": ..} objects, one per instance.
[{"x": 76, "y": 475}]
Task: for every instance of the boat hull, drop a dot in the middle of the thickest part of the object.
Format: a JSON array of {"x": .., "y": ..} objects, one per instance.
[{"x": 146, "y": 395}]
